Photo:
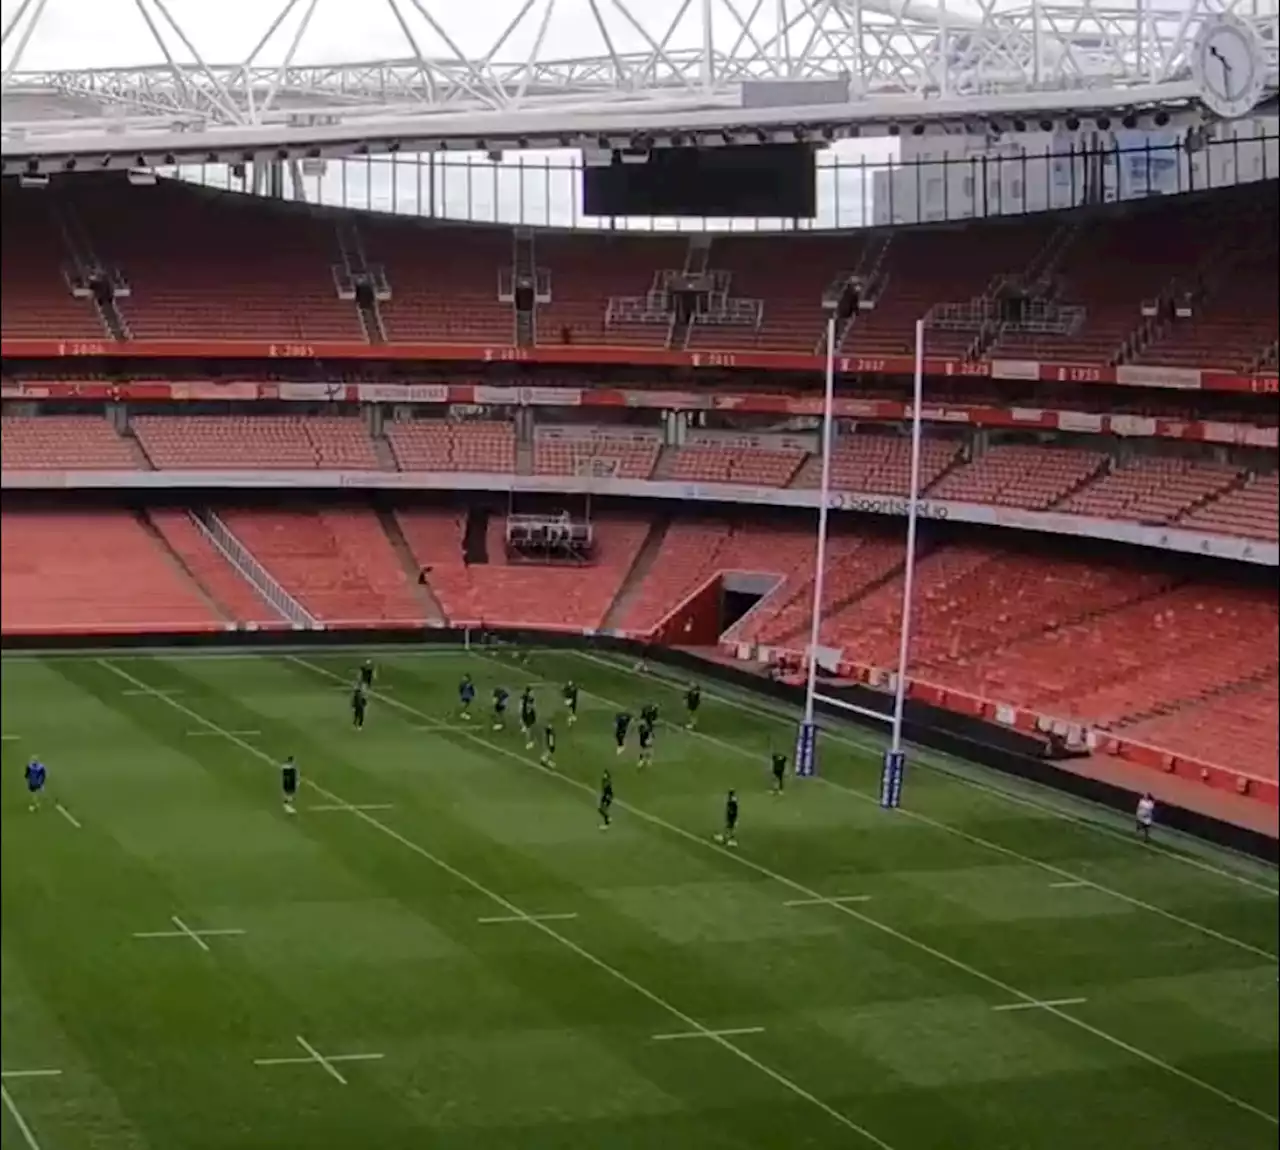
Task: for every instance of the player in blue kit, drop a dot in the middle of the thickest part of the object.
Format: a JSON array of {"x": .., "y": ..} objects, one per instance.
[
  {"x": 501, "y": 697},
  {"x": 528, "y": 717},
  {"x": 289, "y": 784},
  {"x": 466, "y": 696},
  {"x": 36, "y": 776},
  {"x": 621, "y": 725}
]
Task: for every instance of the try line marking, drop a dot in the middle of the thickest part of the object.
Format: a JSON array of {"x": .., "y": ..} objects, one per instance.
[
  {"x": 546, "y": 928},
  {"x": 529, "y": 918},
  {"x": 324, "y": 1061},
  {"x": 835, "y": 898},
  {"x": 731, "y": 1033},
  {"x": 987, "y": 844},
  {"x": 800, "y": 889}
]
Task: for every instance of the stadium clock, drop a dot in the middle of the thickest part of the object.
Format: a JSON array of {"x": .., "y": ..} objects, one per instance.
[{"x": 1229, "y": 67}]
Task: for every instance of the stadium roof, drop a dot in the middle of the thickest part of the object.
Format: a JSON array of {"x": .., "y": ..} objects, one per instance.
[{"x": 218, "y": 70}]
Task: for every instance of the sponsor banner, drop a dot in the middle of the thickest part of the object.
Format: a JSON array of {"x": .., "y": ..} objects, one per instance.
[
  {"x": 1027, "y": 370},
  {"x": 311, "y": 392},
  {"x": 208, "y": 390},
  {"x": 1142, "y": 375},
  {"x": 1079, "y": 421},
  {"x": 889, "y": 505},
  {"x": 1131, "y": 425},
  {"x": 404, "y": 393}
]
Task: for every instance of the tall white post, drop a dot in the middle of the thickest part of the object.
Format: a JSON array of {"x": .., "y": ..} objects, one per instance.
[
  {"x": 824, "y": 506},
  {"x": 913, "y": 509}
]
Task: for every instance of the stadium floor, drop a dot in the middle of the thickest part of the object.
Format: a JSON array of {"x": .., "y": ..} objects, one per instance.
[{"x": 992, "y": 968}]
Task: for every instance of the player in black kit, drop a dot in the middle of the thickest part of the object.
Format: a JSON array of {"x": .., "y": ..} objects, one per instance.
[
  {"x": 779, "y": 764},
  {"x": 606, "y": 800},
  {"x": 646, "y": 743},
  {"x": 692, "y": 701},
  {"x": 500, "y": 698},
  {"x": 621, "y": 725},
  {"x": 729, "y": 837},
  {"x": 548, "y": 759},
  {"x": 649, "y": 714},
  {"x": 289, "y": 783},
  {"x": 366, "y": 674},
  {"x": 570, "y": 693},
  {"x": 359, "y": 704},
  {"x": 528, "y": 716}
]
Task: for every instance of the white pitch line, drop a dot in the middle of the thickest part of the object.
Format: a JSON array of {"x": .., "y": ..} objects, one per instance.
[
  {"x": 1045, "y": 1004},
  {"x": 352, "y": 807},
  {"x": 733, "y": 1032},
  {"x": 873, "y": 923},
  {"x": 139, "y": 692},
  {"x": 320, "y": 1058},
  {"x": 30, "y": 1073},
  {"x": 191, "y": 934},
  {"x": 932, "y": 759},
  {"x": 28, "y": 1135},
  {"x": 222, "y": 734},
  {"x": 66, "y": 814},
  {"x": 480, "y": 888},
  {"x": 530, "y": 918},
  {"x": 998, "y": 848},
  {"x": 1070, "y": 884},
  {"x": 836, "y": 898},
  {"x": 10, "y": 738}
]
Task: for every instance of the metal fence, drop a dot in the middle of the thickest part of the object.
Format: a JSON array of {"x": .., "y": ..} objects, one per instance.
[{"x": 873, "y": 183}]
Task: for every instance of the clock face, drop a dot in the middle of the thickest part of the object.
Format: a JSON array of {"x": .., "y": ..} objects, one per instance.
[{"x": 1227, "y": 63}]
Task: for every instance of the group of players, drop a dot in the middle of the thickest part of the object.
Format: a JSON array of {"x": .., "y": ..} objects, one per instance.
[
  {"x": 37, "y": 775},
  {"x": 570, "y": 693}
]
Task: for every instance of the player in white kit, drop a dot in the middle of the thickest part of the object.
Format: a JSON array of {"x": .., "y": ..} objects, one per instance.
[{"x": 1145, "y": 816}]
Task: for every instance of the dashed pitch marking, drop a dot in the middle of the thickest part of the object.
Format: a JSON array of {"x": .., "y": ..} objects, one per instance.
[
  {"x": 837, "y": 899},
  {"x": 532, "y": 919},
  {"x": 324, "y": 1061},
  {"x": 493, "y": 896},
  {"x": 184, "y": 931},
  {"x": 7, "y": 1074},
  {"x": 351, "y": 807},
  {"x": 223, "y": 734},
  {"x": 66, "y": 814},
  {"x": 734, "y": 1032},
  {"x": 1042, "y": 1004}
]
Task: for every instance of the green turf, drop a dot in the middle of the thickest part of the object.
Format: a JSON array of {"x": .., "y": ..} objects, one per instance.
[{"x": 874, "y": 1023}]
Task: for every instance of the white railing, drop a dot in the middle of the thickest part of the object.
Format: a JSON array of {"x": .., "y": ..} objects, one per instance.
[{"x": 238, "y": 555}]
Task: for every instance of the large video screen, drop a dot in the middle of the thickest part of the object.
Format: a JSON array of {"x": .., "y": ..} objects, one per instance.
[{"x": 764, "y": 180}]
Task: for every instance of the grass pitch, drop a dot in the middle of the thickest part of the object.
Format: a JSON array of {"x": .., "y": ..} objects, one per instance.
[{"x": 442, "y": 951}]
